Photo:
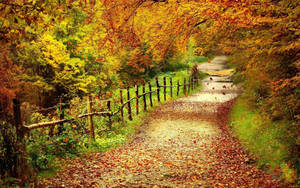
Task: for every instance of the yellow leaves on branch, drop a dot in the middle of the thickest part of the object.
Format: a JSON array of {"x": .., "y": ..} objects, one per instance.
[{"x": 54, "y": 52}]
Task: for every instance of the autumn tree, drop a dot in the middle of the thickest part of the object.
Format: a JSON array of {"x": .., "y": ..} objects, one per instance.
[{"x": 73, "y": 48}]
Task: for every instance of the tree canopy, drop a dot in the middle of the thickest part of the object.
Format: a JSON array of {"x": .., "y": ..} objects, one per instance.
[
  {"x": 58, "y": 50},
  {"x": 67, "y": 47}
]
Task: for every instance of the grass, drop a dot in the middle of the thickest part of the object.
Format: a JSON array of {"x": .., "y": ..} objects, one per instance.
[
  {"x": 51, "y": 172},
  {"x": 196, "y": 59},
  {"x": 269, "y": 141},
  {"x": 122, "y": 131}
]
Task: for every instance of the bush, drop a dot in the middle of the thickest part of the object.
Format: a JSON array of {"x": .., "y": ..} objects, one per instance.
[
  {"x": 45, "y": 151},
  {"x": 272, "y": 142},
  {"x": 175, "y": 65}
]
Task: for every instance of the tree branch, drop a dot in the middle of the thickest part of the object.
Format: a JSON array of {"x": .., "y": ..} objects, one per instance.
[{"x": 199, "y": 23}]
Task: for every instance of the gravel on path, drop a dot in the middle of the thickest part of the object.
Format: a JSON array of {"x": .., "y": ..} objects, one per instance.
[{"x": 185, "y": 143}]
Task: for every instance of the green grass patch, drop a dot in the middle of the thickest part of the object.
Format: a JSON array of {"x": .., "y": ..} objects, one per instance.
[
  {"x": 123, "y": 130},
  {"x": 196, "y": 59},
  {"x": 47, "y": 160},
  {"x": 271, "y": 142},
  {"x": 50, "y": 172}
]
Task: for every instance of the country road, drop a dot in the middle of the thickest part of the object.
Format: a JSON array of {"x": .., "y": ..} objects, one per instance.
[{"x": 184, "y": 143}]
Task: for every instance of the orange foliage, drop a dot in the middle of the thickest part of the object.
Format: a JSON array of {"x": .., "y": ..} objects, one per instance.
[{"x": 8, "y": 82}]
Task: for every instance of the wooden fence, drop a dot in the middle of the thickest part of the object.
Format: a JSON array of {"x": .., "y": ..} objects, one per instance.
[{"x": 189, "y": 85}]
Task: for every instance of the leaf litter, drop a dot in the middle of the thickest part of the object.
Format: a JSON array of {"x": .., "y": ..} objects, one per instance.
[{"x": 185, "y": 143}]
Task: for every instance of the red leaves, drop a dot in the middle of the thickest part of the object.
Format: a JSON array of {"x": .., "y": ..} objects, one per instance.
[
  {"x": 223, "y": 111},
  {"x": 177, "y": 156},
  {"x": 230, "y": 167}
]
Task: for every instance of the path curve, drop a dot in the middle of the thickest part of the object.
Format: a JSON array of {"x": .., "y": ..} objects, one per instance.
[{"x": 185, "y": 143}]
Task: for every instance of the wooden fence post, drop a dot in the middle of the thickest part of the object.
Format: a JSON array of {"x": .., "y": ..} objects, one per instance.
[
  {"x": 121, "y": 101},
  {"x": 51, "y": 130},
  {"x": 158, "y": 89},
  {"x": 178, "y": 87},
  {"x": 90, "y": 118},
  {"x": 61, "y": 115},
  {"x": 129, "y": 106},
  {"x": 171, "y": 88},
  {"x": 109, "y": 116},
  {"x": 144, "y": 98},
  {"x": 184, "y": 86},
  {"x": 22, "y": 170},
  {"x": 150, "y": 96},
  {"x": 189, "y": 85},
  {"x": 165, "y": 89},
  {"x": 137, "y": 99},
  {"x": 192, "y": 81}
]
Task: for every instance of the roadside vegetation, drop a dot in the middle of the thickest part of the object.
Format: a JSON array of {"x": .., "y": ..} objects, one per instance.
[
  {"x": 272, "y": 143},
  {"x": 64, "y": 50},
  {"x": 46, "y": 154}
]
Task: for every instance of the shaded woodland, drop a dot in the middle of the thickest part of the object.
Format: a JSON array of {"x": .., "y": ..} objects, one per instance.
[{"x": 61, "y": 51}]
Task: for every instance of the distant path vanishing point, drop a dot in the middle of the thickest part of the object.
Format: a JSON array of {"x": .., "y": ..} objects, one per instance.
[{"x": 185, "y": 143}]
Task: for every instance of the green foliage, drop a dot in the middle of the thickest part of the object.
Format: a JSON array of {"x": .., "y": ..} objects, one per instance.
[
  {"x": 9, "y": 182},
  {"x": 121, "y": 131},
  {"x": 45, "y": 152},
  {"x": 174, "y": 64},
  {"x": 271, "y": 142},
  {"x": 196, "y": 59},
  {"x": 71, "y": 49}
]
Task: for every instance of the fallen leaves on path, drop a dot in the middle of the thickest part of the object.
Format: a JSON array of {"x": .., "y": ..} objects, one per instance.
[
  {"x": 186, "y": 143},
  {"x": 169, "y": 154}
]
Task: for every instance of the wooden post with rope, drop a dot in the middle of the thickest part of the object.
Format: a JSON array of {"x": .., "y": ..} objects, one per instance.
[{"x": 90, "y": 118}]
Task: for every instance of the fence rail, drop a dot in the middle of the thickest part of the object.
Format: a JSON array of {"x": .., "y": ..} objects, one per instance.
[{"x": 189, "y": 85}]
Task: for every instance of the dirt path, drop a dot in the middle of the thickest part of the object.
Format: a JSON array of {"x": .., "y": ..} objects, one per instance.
[{"x": 185, "y": 143}]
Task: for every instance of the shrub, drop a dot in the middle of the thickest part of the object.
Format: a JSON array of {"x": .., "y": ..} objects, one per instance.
[
  {"x": 45, "y": 151},
  {"x": 272, "y": 142}
]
